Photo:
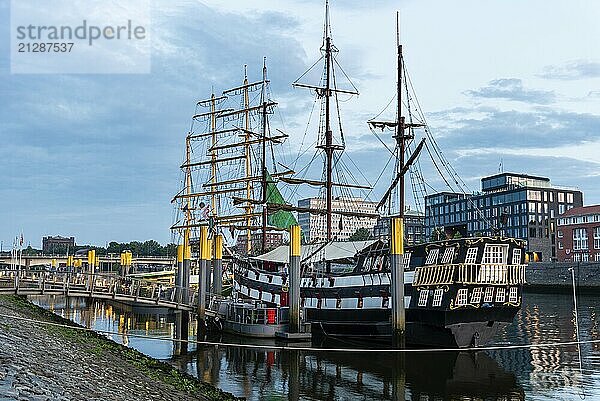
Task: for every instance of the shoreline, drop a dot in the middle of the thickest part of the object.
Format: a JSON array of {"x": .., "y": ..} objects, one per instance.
[{"x": 54, "y": 362}]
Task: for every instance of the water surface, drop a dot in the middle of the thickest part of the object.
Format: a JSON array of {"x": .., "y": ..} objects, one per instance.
[{"x": 548, "y": 373}]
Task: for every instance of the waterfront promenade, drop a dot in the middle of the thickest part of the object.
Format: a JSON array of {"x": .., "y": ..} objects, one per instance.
[{"x": 40, "y": 362}]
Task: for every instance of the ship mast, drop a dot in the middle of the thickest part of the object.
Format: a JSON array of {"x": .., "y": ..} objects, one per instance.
[
  {"x": 400, "y": 138},
  {"x": 213, "y": 155},
  {"x": 264, "y": 158},
  {"x": 328, "y": 134},
  {"x": 248, "y": 169}
]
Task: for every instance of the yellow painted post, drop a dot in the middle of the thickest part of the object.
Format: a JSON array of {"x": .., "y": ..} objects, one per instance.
[
  {"x": 294, "y": 271},
  {"x": 204, "y": 257},
  {"x": 91, "y": 259},
  {"x": 209, "y": 251},
  {"x": 218, "y": 265},
  {"x": 397, "y": 284}
]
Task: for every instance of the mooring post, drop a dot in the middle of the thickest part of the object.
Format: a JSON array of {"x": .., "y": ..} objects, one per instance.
[
  {"x": 218, "y": 265},
  {"x": 187, "y": 267},
  {"x": 202, "y": 263},
  {"x": 397, "y": 284},
  {"x": 179, "y": 275},
  {"x": 91, "y": 261},
  {"x": 209, "y": 266},
  {"x": 294, "y": 271}
]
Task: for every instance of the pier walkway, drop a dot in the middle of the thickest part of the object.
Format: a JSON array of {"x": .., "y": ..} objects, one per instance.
[{"x": 99, "y": 286}]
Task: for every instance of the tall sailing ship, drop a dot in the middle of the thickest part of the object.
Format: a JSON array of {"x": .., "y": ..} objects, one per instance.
[
  {"x": 228, "y": 178},
  {"x": 458, "y": 292}
]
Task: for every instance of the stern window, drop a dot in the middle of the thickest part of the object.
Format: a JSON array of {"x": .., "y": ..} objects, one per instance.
[
  {"x": 461, "y": 297},
  {"x": 471, "y": 257},
  {"x": 513, "y": 294},
  {"x": 516, "y": 257},
  {"x": 494, "y": 254},
  {"x": 489, "y": 295},
  {"x": 423, "y": 295},
  {"x": 501, "y": 295},
  {"x": 476, "y": 295},
  {"x": 437, "y": 297},
  {"x": 448, "y": 255},
  {"x": 432, "y": 257}
]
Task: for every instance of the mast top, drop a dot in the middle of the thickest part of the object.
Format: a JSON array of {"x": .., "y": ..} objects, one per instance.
[{"x": 397, "y": 28}]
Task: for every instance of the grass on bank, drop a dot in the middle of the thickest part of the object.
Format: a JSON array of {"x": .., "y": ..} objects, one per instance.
[{"x": 98, "y": 344}]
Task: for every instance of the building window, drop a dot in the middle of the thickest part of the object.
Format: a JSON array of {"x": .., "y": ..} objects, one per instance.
[
  {"x": 448, "y": 255},
  {"x": 512, "y": 296},
  {"x": 559, "y": 233},
  {"x": 577, "y": 257},
  {"x": 597, "y": 257},
  {"x": 501, "y": 295},
  {"x": 489, "y": 295},
  {"x": 437, "y": 297},
  {"x": 560, "y": 245},
  {"x": 423, "y": 295},
  {"x": 476, "y": 295},
  {"x": 471, "y": 257},
  {"x": 580, "y": 239},
  {"x": 516, "y": 257},
  {"x": 432, "y": 257},
  {"x": 461, "y": 297},
  {"x": 596, "y": 237}
]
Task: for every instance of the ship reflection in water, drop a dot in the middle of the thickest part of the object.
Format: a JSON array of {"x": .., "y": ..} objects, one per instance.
[
  {"x": 259, "y": 373},
  {"x": 304, "y": 375}
]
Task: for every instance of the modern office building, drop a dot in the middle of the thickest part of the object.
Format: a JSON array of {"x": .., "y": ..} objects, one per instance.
[
  {"x": 578, "y": 235},
  {"x": 414, "y": 227},
  {"x": 314, "y": 226},
  {"x": 58, "y": 244},
  {"x": 515, "y": 205}
]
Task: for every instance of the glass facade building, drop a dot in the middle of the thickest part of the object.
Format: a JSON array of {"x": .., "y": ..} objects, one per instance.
[{"x": 512, "y": 205}]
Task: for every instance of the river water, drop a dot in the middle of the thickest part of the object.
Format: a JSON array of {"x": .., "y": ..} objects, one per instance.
[{"x": 546, "y": 373}]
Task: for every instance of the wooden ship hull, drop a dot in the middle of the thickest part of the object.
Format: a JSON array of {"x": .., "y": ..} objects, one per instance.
[{"x": 459, "y": 300}]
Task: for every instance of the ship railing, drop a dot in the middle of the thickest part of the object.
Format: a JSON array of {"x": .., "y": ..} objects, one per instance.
[
  {"x": 243, "y": 313},
  {"x": 434, "y": 275},
  {"x": 493, "y": 274},
  {"x": 498, "y": 274}
]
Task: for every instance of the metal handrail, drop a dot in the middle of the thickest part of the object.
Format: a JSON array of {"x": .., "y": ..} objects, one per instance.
[{"x": 96, "y": 284}]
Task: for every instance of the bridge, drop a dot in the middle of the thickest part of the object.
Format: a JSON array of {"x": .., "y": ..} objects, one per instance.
[
  {"x": 107, "y": 262},
  {"x": 99, "y": 286}
]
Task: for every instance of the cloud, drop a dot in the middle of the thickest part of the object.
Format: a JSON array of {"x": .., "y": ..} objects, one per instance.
[
  {"x": 512, "y": 89},
  {"x": 86, "y": 143},
  {"x": 491, "y": 127},
  {"x": 579, "y": 69}
]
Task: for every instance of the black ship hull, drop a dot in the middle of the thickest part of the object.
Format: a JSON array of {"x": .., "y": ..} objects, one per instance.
[{"x": 423, "y": 328}]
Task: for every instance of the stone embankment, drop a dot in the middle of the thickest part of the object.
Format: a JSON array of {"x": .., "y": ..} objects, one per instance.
[
  {"x": 556, "y": 277},
  {"x": 40, "y": 362}
]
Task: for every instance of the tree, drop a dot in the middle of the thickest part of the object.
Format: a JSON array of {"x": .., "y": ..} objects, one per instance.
[{"x": 360, "y": 235}]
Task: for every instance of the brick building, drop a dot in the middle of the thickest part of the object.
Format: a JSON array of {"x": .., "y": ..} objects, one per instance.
[
  {"x": 58, "y": 244},
  {"x": 578, "y": 235}
]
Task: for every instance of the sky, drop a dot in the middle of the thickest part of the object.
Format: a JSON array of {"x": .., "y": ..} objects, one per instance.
[{"x": 97, "y": 156}]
